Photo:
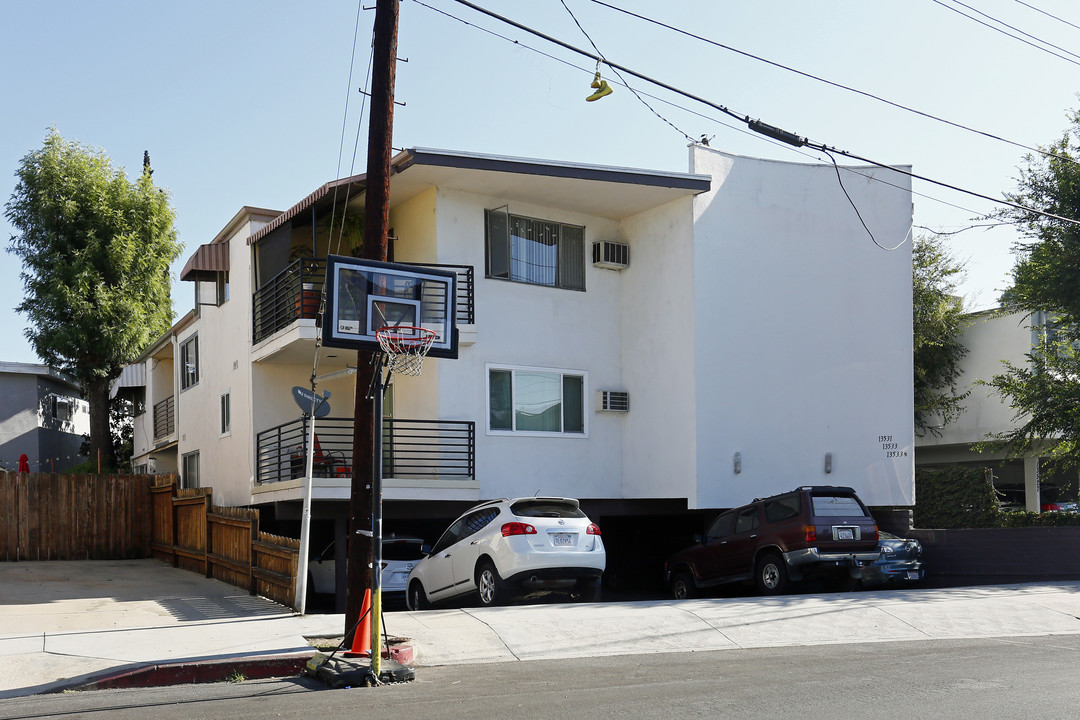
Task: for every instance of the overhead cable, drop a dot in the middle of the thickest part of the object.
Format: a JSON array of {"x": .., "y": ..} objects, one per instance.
[
  {"x": 1040, "y": 10},
  {"x": 831, "y": 83},
  {"x": 791, "y": 138},
  {"x": 1003, "y": 32}
]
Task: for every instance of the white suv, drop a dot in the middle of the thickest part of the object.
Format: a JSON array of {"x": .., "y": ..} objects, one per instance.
[{"x": 505, "y": 547}]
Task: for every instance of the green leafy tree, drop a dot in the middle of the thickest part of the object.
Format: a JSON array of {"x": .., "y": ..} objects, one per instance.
[
  {"x": 937, "y": 323},
  {"x": 95, "y": 249},
  {"x": 1045, "y": 391}
]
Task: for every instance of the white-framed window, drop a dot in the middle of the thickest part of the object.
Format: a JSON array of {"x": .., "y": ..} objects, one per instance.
[
  {"x": 189, "y": 362},
  {"x": 226, "y": 413},
  {"x": 534, "y": 251},
  {"x": 536, "y": 401},
  {"x": 189, "y": 470}
]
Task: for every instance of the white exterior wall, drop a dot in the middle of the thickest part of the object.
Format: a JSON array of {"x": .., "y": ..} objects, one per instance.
[
  {"x": 803, "y": 331},
  {"x": 657, "y": 320},
  {"x": 518, "y": 324},
  {"x": 225, "y": 460},
  {"x": 991, "y": 340}
]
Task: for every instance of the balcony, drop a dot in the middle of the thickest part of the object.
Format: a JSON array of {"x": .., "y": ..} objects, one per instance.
[
  {"x": 294, "y": 293},
  {"x": 412, "y": 449},
  {"x": 165, "y": 418}
]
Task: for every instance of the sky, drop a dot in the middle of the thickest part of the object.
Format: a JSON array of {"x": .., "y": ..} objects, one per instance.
[{"x": 245, "y": 102}]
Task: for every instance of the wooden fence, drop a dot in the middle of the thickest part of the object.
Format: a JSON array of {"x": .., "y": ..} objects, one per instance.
[
  {"x": 48, "y": 516},
  {"x": 225, "y": 543},
  {"x": 104, "y": 517}
]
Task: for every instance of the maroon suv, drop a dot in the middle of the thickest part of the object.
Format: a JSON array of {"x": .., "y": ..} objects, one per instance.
[{"x": 777, "y": 540}]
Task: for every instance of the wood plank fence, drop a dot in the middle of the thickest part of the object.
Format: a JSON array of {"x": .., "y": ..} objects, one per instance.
[
  {"x": 49, "y": 516},
  {"x": 224, "y": 543},
  {"x": 105, "y": 517}
]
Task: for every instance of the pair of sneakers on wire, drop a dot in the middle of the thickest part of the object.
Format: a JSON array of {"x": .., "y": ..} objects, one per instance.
[{"x": 601, "y": 86}]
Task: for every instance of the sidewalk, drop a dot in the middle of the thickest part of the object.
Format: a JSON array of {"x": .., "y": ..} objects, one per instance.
[{"x": 63, "y": 624}]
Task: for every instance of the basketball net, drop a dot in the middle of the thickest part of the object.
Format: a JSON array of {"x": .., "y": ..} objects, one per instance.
[{"x": 405, "y": 347}]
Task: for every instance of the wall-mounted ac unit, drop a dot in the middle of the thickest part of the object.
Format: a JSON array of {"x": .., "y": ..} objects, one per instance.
[
  {"x": 611, "y": 255},
  {"x": 612, "y": 401}
]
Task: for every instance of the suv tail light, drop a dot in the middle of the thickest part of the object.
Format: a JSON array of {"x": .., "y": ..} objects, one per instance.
[
  {"x": 593, "y": 529},
  {"x": 517, "y": 528},
  {"x": 811, "y": 533}
]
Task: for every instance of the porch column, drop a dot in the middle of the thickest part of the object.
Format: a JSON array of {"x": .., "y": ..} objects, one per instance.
[{"x": 1032, "y": 491}]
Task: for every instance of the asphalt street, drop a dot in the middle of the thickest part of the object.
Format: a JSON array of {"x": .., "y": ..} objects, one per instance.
[{"x": 999, "y": 678}]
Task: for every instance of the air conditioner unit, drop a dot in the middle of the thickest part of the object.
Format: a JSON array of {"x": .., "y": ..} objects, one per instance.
[
  {"x": 611, "y": 255},
  {"x": 613, "y": 401}
]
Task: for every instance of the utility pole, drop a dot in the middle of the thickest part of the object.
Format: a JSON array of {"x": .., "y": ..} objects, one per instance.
[{"x": 360, "y": 572}]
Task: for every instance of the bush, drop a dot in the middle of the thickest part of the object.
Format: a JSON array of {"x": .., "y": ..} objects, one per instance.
[
  {"x": 1033, "y": 519},
  {"x": 955, "y": 497}
]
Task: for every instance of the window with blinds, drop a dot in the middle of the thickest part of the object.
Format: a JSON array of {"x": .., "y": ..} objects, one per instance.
[{"x": 534, "y": 251}]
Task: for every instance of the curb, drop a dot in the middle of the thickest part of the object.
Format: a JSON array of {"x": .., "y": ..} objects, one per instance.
[
  {"x": 215, "y": 670},
  {"x": 202, "y": 671}
]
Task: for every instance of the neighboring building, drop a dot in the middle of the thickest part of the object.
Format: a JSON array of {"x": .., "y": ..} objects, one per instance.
[
  {"x": 736, "y": 333},
  {"x": 993, "y": 338},
  {"x": 42, "y": 416}
]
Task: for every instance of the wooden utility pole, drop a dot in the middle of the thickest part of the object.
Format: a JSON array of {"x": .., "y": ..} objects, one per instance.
[{"x": 376, "y": 229}]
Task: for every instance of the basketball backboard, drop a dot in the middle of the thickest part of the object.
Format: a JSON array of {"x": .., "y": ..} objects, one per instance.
[{"x": 363, "y": 296}]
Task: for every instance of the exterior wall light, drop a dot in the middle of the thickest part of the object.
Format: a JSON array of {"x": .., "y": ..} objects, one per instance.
[
  {"x": 828, "y": 463},
  {"x": 738, "y": 463}
]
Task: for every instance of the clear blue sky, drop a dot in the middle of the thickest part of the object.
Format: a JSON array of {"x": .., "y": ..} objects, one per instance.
[{"x": 243, "y": 102}]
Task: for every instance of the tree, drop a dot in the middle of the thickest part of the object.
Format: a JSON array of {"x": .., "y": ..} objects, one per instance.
[
  {"x": 1045, "y": 393},
  {"x": 95, "y": 250},
  {"x": 937, "y": 322}
]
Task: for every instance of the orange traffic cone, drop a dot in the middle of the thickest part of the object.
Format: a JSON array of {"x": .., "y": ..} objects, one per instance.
[{"x": 361, "y": 645}]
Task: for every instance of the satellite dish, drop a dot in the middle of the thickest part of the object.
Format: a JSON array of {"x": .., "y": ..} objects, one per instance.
[{"x": 305, "y": 397}]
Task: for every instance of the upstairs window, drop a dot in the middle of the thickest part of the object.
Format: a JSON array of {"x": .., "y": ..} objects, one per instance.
[
  {"x": 538, "y": 252},
  {"x": 189, "y": 362}
]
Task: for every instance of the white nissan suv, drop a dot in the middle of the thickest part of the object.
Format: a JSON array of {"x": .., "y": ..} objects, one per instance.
[{"x": 506, "y": 547}]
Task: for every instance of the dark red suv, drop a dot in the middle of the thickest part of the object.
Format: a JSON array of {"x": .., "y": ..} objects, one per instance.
[{"x": 777, "y": 540}]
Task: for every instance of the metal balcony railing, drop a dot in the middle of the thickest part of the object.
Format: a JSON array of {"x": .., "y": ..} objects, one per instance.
[
  {"x": 466, "y": 306},
  {"x": 290, "y": 295},
  {"x": 294, "y": 293},
  {"x": 165, "y": 417},
  {"x": 411, "y": 449}
]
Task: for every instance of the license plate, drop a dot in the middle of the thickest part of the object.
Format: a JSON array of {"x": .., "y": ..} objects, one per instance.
[
  {"x": 562, "y": 539},
  {"x": 912, "y": 574},
  {"x": 845, "y": 533}
]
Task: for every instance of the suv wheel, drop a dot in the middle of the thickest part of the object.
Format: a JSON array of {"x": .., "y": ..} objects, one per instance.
[
  {"x": 489, "y": 586},
  {"x": 682, "y": 586},
  {"x": 771, "y": 574}
]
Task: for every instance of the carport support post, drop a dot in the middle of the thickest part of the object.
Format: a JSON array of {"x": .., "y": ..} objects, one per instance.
[{"x": 376, "y": 517}]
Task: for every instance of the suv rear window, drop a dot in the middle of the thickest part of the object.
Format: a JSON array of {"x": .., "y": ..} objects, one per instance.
[
  {"x": 783, "y": 508},
  {"x": 546, "y": 508},
  {"x": 837, "y": 505}
]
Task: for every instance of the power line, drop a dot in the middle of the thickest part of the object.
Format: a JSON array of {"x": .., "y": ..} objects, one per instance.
[
  {"x": 684, "y": 108},
  {"x": 1003, "y": 32},
  {"x": 1055, "y": 17},
  {"x": 831, "y": 83},
  {"x": 758, "y": 126},
  {"x": 1012, "y": 27}
]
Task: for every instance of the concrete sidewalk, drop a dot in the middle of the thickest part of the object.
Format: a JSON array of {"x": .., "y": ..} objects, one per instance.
[{"x": 63, "y": 624}]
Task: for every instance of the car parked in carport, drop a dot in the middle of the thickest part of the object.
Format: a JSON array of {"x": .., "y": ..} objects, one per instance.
[
  {"x": 900, "y": 562},
  {"x": 510, "y": 547},
  {"x": 817, "y": 530}
]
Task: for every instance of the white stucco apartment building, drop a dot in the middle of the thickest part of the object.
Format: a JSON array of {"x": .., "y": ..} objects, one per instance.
[
  {"x": 992, "y": 338},
  {"x": 760, "y": 334}
]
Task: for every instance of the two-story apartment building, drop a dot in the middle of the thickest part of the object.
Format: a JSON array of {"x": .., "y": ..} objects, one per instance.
[
  {"x": 707, "y": 337},
  {"x": 993, "y": 338}
]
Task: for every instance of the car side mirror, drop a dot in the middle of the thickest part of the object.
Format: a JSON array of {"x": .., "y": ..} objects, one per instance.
[
  {"x": 425, "y": 549},
  {"x": 698, "y": 538}
]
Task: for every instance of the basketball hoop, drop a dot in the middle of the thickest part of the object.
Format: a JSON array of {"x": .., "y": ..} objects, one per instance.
[{"x": 405, "y": 347}]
